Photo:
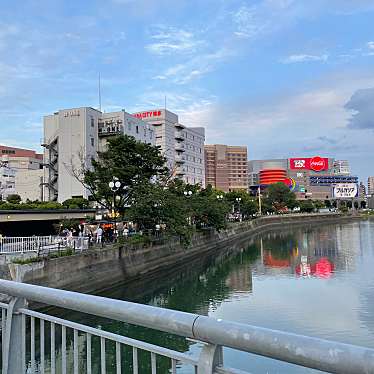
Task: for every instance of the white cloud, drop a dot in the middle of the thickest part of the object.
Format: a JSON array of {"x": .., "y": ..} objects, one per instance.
[
  {"x": 168, "y": 40},
  {"x": 305, "y": 58}
]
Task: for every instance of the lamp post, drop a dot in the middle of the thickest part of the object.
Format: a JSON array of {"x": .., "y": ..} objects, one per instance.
[
  {"x": 259, "y": 201},
  {"x": 187, "y": 193},
  {"x": 219, "y": 197},
  {"x": 114, "y": 185},
  {"x": 238, "y": 200}
]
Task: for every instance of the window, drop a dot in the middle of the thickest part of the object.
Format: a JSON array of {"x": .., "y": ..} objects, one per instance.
[
  {"x": 92, "y": 122},
  {"x": 137, "y": 129},
  {"x": 92, "y": 142}
]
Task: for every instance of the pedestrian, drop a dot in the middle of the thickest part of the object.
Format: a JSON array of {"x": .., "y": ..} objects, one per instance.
[
  {"x": 125, "y": 232},
  {"x": 99, "y": 235}
]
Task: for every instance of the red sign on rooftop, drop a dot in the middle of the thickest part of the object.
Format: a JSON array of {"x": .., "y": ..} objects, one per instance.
[
  {"x": 315, "y": 163},
  {"x": 149, "y": 114}
]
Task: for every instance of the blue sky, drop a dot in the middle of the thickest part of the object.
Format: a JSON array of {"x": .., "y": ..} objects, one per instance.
[{"x": 285, "y": 77}]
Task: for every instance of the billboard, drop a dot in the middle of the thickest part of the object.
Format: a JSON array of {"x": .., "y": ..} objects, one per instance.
[
  {"x": 315, "y": 163},
  {"x": 345, "y": 190}
]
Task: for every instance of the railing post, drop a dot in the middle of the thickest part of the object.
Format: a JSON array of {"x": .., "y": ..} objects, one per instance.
[
  {"x": 210, "y": 357},
  {"x": 14, "y": 338}
]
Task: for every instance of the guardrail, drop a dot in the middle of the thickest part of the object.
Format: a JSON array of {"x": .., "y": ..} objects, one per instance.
[
  {"x": 14, "y": 245},
  {"x": 19, "y": 323}
]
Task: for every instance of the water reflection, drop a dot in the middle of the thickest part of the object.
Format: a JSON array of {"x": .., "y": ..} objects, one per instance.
[{"x": 313, "y": 280}]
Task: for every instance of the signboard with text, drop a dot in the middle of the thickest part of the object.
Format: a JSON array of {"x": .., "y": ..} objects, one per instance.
[
  {"x": 345, "y": 190},
  {"x": 315, "y": 163},
  {"x": 148, "y": 114}
]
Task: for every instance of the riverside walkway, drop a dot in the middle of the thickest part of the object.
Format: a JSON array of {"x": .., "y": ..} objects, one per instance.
[{"x": 34, "y": 342}]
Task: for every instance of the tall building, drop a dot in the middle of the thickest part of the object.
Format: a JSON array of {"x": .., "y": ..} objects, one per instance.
[
  {"x": 226, "y": 167},
  {"x": 362, "y": 190},
  {"x": 341, "y": 167},
  {"x": 183, "y": 147},
  {"x": 72, "y": 138},
  {"x": 13, "y": 163},
  {"x": 371, "y": 186}
]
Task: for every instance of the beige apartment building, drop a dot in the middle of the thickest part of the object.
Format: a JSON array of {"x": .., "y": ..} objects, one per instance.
[
  {"x": 226, "y": 167},
  {"x": 371, "y": 186}
]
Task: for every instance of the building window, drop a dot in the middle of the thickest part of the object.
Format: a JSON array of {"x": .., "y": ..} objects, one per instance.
[
  {"x": 92, "y": 142},
  {"x": 137, "y": 129},
  {"x": 92, "y": 122}
]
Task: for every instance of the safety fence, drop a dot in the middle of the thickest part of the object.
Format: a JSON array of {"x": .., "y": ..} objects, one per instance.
[
  {"x": 9, "y": 245},
  {"x": 34, "y": 342}
]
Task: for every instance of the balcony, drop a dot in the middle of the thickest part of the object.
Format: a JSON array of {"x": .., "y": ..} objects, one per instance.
[
  {"x": 179, "y": 147},
  {"x": 179, "y": 126},
  {"x": 179, "y": 160},
  {"x": 179, "y": 135}
]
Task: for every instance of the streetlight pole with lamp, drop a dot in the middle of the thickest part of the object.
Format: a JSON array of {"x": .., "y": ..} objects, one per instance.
[
  {"x": 114, "y": 185},
  {"x": 238, "y": 200}
]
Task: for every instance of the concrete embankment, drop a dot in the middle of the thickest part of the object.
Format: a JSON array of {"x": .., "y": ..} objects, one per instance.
[{"x": 97, "y": 270}]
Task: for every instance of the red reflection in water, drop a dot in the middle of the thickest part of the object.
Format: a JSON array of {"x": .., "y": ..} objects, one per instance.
[
  {"x": 323, "y": 268},
  {"x": 269, "y": 260}
]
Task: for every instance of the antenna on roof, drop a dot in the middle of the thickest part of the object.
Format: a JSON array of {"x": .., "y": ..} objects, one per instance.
[
  {"x": 99, "y": 92},
  {"x": 165, "y": 103}
]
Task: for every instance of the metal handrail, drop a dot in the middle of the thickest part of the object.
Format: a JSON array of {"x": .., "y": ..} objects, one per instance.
[{"x": 301, "y": 350}]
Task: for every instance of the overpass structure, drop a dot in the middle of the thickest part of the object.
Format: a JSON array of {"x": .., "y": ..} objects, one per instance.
[
  {"x": 45, "y": 215},
  {"x": 35, "y": 342}
]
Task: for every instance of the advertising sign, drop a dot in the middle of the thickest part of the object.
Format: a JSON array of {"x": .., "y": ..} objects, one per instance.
[
  {"x": 315, "y": 163},
  {"x": 149, "y": 114},
  {"x": 345, "y": 190}
]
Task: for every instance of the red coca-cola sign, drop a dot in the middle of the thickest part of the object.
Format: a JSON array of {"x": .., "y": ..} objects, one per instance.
[{"x": 317, "y": 163}]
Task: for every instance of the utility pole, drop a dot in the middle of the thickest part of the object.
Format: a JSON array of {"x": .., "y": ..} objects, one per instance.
[{"x": 259, "y": 201}]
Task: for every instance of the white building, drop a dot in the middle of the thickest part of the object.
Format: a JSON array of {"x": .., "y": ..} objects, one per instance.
[
  {"x": 72, "y": 138},
  {"x": 7, "y": 181},
  {"x": 182, "y": 146},
  {"x": 29, "y": 184},
  {"x": 341, "y": 167},
  {"x": 371, "y": 186}
]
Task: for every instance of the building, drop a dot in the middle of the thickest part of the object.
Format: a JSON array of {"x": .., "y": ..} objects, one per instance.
[
  {"x": 226, "y": 167},
  {"x": 15, "y": 161},
  {"x": 72, "y": 138},
  {"x": 362, "y": 190},
  {"x": 309, "y": 177},
  {"x": 183, "y": 147},
  {"x": 371, "y": 186},
  {"x": 341, "y": 167},
  {"x": 29, "y": 184},
  {"x": 259, "y": 171}
]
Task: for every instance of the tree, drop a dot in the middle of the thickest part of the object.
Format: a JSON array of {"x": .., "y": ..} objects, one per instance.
[
  {"x": 280, "y": 197},
  {"x": 306, "y": 206},
  {"x": 133, "y": 163},
  {"x": 76, "y": 203},
  {"x": 14, "y": 199},
  {"x": 318, "y": 204},
  {"x": 248, "y": 204}
]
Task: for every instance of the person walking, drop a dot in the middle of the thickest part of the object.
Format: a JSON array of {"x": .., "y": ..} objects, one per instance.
[{"x": 99, "y": 235}]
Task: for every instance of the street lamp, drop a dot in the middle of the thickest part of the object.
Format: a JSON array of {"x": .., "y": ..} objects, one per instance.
[
  {"x": 239, "y": 199},
  {"x": 114, "y": 185},
  {"x": 219, "y": 197},
  {"x": 187, "y": 193}
]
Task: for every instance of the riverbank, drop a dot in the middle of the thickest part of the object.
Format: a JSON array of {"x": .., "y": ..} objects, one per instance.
[{"x": 99, "y": 269}]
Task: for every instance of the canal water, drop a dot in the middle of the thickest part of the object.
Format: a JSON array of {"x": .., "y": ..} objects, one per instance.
[{"x": 317, "y": 281}]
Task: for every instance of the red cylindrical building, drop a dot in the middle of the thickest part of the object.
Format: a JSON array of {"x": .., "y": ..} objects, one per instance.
[{"x": 270, "y": 176}]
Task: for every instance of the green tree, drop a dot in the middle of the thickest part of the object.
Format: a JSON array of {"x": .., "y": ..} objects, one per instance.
[
  {"x": 318, "y": 204},
  {"x": 306, "y": 206},
  {"x": 14, "y": 199},
  {"x": 76, "y": 203},
  {"x": 133, "y": 163},
  {"x": 248, "y": 204},
  {"x": 280, "y": 197}
]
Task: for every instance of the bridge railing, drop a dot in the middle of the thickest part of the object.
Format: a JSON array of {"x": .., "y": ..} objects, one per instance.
[
  {"x": 27, "y": 336},
  {"x": 10, "y": 245}
]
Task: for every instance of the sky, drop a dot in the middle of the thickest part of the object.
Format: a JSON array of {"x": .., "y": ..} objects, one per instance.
[{"x": 284, "y": 77}]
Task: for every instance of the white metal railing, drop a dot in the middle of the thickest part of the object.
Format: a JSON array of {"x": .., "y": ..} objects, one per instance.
[
  {"x": 14, "y": 245},
  {"x": 28, "y": 337}
]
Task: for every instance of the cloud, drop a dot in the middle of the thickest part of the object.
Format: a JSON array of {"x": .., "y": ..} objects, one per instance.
[
  {"x": 361, "y": 104},
  {"x": 305, "y": 58},
  {"x": 169, "y": 40},
  {"x": 195, "y": 67}
]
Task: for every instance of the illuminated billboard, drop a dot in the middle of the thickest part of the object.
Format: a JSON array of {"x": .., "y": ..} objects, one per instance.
[
  {"x": 345, "y": 190},
  {"x": 315, "y": 163}
]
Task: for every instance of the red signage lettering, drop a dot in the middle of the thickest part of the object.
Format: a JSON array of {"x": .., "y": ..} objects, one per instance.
[{"x": 155, "y": 113}]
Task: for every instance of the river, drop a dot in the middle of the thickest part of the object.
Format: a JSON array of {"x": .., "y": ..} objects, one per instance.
[{"x": 316, "y": 281}]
